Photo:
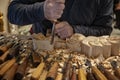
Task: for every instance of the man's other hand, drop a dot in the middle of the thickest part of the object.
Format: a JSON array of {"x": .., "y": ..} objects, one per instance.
[
  {"x": 63, "y": 30},
  {"x": 53, "y": 9}
]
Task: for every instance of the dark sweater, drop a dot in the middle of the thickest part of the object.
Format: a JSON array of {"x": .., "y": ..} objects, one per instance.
[{"x": 88, "y": 17}]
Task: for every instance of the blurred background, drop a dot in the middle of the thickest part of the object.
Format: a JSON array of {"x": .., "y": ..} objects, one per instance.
[{"x": 24, "y": 30}]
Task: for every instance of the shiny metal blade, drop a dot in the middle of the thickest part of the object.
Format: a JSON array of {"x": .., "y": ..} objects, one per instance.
[
  {"x": 114, "y": 64},
  {"x": 53, "y": 33}
]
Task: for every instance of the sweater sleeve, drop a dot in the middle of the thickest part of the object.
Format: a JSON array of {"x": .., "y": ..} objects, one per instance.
[
  {"x": 102, "y": 25},
  {"x": 24, "y": 12}
]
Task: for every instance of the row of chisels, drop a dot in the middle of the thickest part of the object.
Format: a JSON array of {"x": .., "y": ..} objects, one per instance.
[
  {"x": 56, "y": 69},
  {"x": 19, "y": 61}
]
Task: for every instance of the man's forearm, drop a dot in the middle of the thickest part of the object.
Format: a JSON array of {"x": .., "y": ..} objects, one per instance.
[
  {"x": 24, "y": 14},
  {"x": 92, "y": 30}
]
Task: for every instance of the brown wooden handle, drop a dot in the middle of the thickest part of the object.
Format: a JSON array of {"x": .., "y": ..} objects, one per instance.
[
  {"x": 67, "y": 72},
  {"x": 59, "y": 76},
  {"x": 52, "y": 72},
  {"x": 36, "y": 74},
  {"x": 9, "y": 75},
  {"x": 36, "y": 59},
  {"x": 21, "y": 70},
  {"x": 81, "y": 74},
  {"x": 90, "y": 76},
  {"x": 13, "y": 52},
  {"x": 73, "y": 77},
  {"x": 98, "y": 74},
  {"x": 3, "y": 49},
  {"x": 3, "y": 57},
  {"x": 1, "y": 65},
  {"x": 109, "y": 76},
  {"x": 7, "y": 66},
  {"x": 43, "y": 75},
  {"x": 117, "y": 72}
]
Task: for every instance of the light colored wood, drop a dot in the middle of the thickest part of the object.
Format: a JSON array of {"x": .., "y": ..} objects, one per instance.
[
  {"x": 44, "y": 45},
  {"x": 98, "y": 74},
  {"x": 106, "y": 48},
  {"x": 74, "y": 43},
  {"x": 43, "y": 75},
  {"x": 9, "y": 75},
  {"x": 4, "y": 64},
  {"x": 114, "y": 48},
  {"x": 81, "y": 74},
  {"x": 59, "y": 76},
  {"x": 96, "y": 48},
  {"x": 91, "y": 47},
  {"x": 53, "y": 71},
  {"x": 2, "y": 58},
  {"x": 3, "y": 48},
  {"x": 115, "y": 45},
  {"x": 4, "y": 9},
  {"x": 36, "y": 74},
  {"x": 7, "y": 66}
]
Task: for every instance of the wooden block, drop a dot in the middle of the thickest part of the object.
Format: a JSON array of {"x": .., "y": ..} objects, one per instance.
[
  {"x": 91, "y": 47},
  {"x": 44, "y": 45},
  {"x": 115, "y": 44},
  {"x": 106, "y": 48},
  {"x": 96, "y": 48},
  {"x": 114, "y": 48},
  {"x": 86, "y": 48},
  {"x": 60, "y": 44},
  {"x": 74, "y": 43}
]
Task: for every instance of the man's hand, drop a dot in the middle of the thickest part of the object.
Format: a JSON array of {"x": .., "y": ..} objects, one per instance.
[
  {"x": 63, "y": 30},
  {"x": 53, "y": 9}
]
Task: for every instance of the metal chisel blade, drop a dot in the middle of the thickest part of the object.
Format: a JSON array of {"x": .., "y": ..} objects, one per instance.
[
  {"x": 53, "y": 33},
  {"x": 114, "y": 64}
]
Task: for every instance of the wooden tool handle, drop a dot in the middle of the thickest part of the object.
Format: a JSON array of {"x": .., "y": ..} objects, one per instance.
[
  {"x": 52, "y": 72},
  {"x": 59, "y": 76},
  {"x": 21, "y": 70},
  {"x": 3, "y": 57},
  {"x": 81, "y": 74},
  {"x": 1, "y": 65},
  {"x": 36, "y": 59},
  {"x": 90, "y": 76},
  {"x": 117, "y": 72},
  {"x": 98, "y": 74},
  {"x": 3, "y": 49},
  {"x": 13, "y": 52},
  {"x": 73, "y": 77},
  {"x": 108, "y": 75},
  {"x": 9, "y": 75},
  {"x": 7, "y": 66},
  {"x": 67, "y": 72},
  {"x": 36, "y": 74},
  {"x": 43, "y": 75}
]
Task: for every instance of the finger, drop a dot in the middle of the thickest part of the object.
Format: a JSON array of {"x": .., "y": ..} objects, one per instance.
[
  {"x": 60, "y": 1},
  {"x": 56, "y": 1},
  {"x": 63, "y": 35},
  {"x": 55, "y": 17},
  {"x": 59, "y": 30},
  {"x": 59, "y": 6},
  {"x": 59, "y": 25}
]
